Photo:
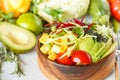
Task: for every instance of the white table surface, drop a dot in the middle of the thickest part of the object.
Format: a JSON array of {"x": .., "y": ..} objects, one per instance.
[{"x": 30, "y": 68}]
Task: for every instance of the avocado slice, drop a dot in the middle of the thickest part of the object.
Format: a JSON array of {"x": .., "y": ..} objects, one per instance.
[
  {"x": 111, "y": 49},
  {"x": 86, "y": 44},
  {"x": 97, "y": 48},
  {"x": 15, "y": 38},
  {"x": 106, "y": 47}
]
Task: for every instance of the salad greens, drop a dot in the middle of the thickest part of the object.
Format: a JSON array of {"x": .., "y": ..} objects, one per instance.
[
  {"x": 96, "y": 41},
  {"x": 55, "y": 13},
  {"x": 61, "y": 10},
  {"x": 34, "y": 4},
  {"x": 92, "y": 41},
  {"x": 100, "y": 11}
]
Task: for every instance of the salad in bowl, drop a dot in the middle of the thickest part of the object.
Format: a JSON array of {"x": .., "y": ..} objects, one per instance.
[{"x": 76, "y": 43}]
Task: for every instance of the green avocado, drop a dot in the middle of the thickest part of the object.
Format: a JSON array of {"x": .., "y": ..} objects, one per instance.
[
  {"x": 97, "y": 48},
  {"x": 106, "y": 47},
  {"x": 86, "y": 44},
  {"x": 15, "y": 38},
  {"x": 111, "y": 49}
]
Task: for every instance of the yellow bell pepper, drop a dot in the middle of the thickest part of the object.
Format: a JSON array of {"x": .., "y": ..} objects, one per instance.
[{"x": 17, "y": 7}]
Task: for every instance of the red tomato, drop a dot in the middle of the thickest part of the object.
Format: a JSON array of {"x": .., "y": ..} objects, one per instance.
[
  {"x": 111, "y": 1},
  {"x": 81, "y": 57},
  {"x": 65, "y": 60},
  {"x": 115, "y": 8}
]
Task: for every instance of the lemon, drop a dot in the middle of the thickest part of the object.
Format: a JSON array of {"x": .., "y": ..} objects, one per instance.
[{"x": 30, "y": 22}]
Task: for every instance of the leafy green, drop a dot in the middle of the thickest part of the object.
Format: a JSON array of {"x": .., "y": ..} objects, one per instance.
[
  {"x": 7, "y": 17},
  {"x": 33, "y": 7},
  {"x": 55, "y": 13},
  {"x": 77, "y": 30},
  {"x": 53, "y": 28},
  {"x": 116, "y": 25},
  {"x": 54, "y": 35},
  {"x": 100, "y": 11}
]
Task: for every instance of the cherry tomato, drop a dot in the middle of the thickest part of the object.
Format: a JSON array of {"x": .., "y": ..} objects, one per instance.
[
  {"x": 65, "y": 60},
  {"x": 115, "y": 8},
  {"x": 81, "y": 57},
  {"x": 111, "y": 1}
]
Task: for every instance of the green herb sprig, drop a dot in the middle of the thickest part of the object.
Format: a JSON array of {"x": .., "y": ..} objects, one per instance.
[{"x": 8, "y": 56}]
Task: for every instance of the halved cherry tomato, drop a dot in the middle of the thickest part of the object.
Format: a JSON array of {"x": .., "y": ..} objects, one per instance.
[
  {"x": 81, "y": 57},
  {"x": 115, "y": 8},
  {"x": 65, "y": 60}
]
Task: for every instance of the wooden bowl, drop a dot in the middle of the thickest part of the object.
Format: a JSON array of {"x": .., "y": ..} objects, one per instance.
[{"x": 55, "y": 71}]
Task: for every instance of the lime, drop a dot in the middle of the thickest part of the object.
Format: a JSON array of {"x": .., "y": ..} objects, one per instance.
[{"x": 30, "y": 22}]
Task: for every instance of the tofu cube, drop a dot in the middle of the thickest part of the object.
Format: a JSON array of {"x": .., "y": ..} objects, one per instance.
[
  {"x": 56, "y": 49},
  {"x": 43, "y": 38},
  {"x": 50, "y": 52},
  {"x": 52, "y": 56},
  {"x": 45, "y": 49},
  {"x": 63, "y": 48}
]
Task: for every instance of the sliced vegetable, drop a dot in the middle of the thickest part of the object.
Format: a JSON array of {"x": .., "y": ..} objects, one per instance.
[
  {"x": 64, "y": 60},
  {"x": 112, "y": 48},
  {"x": 83, "y": 44},
  {"x": 95, "y": 52},
  {"x": 77, "y": 43},
  {"x": 52, "y": 56},
  {"x": 43, "y": 38},
  {"x": 106, "y": 47},
  {"x": 81, "y": 57},
  {"x": 45, "y": 49}
]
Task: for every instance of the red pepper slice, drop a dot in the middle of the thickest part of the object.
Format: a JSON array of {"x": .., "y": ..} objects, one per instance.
[
  {"x": 64, "y": 25},
  {"x": 65, "y": 60},
  {"x": 79, "y": 22},
  {"x": 89, "y": 26},
  {"x": 68, "y": 24},
  {"x": 81, "y": 57}
]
